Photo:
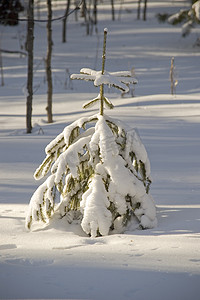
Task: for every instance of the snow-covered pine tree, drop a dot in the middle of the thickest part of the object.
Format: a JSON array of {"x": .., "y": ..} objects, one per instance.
[
  {"x": 100, "y": 168},
  {"x": 189, "y": 17}
]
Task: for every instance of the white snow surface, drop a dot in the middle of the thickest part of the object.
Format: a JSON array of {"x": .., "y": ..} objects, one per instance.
[{"x": 61, "y": 261}]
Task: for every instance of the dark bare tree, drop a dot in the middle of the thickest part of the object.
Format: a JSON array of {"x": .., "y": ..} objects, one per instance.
[
  {"x": 113, "y": 10},
  {"x": 29, "y": 47},
  {"x": 138, "y": 9},
  {"x": 85, "y": 13},
  {"x": 89, "y": 15},
  {"x": 48, "y": 64},
  {"x": 145, "y": 10},
  {"x": 64, "y": 28},
  {"x": 95, "y": 12}
]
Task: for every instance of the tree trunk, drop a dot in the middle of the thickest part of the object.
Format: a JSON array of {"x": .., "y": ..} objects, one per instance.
[
  {"x": 113, "y": 10},
  {"x": 102, "y": 72},
  {"x": 85, "y": 15},
  {"x": 48, "y": 64},
  {"x": 145, "y": 10},
  {"x": 138, "y": 9},
  {"x": 95, "y": 12},
  {"x": 83, "y": 9},
  {"x": 29, "y": 45},
  {"x": 65, "y": 22}
]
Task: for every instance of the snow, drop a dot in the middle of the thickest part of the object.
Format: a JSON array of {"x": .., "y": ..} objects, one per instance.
[
  {"x": 187, "y": 27},
  {"x": 43, "y": 192},
  {"x": 94, "y": 203},
  {"x": 190, "y": 16},
  {"x": 110, "y": 79},
  {"x": 196, "y": 7},
  {"x": 61, "y": 261}
]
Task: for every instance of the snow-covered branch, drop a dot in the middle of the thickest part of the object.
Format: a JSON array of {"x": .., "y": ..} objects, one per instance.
[
  {"x": 189, "y": 18},
  {"x": 119, "y": 80}
]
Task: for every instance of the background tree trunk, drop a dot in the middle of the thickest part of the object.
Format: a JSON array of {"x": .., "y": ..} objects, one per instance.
[
  {"x": 85, "y": 15},
  {"x": 113, "y": 10},
  {"x": 95, "y": 12},
  {"x": 48, "y": 64},
  {"x": 65, "y": 22},
  {"x": 29, "y": 46},
  {"x": 138, "y": 10},
  {"x": 145, "y": 10}
]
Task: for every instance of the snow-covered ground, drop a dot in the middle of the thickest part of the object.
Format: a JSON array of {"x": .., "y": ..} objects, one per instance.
[{"x": 61, "y": 262}]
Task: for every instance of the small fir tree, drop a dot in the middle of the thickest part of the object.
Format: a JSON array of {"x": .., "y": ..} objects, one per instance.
[
  {"x": 100, "y": 168},
  {"x": 188, "y": 17}
]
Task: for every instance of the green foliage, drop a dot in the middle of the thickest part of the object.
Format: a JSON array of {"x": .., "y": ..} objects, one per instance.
[
  {"x": 106, "y": 101},
  {"x": 162, "y": 18},
  {"x": 180, "y": 17}
]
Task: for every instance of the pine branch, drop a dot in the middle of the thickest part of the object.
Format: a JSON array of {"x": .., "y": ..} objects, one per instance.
[
  {"x": 91, "y": 103},
  {"x": 108, "y": 103},
  {"x": 43, "y": 169}
]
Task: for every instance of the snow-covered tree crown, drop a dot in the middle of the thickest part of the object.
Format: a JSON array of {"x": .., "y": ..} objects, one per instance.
[
  {"x": 102, "y": 174},
  {"x": 119, "y": 80}
]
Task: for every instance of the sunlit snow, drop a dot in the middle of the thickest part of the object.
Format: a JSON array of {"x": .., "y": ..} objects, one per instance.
[{"x": 60, "y": 261}]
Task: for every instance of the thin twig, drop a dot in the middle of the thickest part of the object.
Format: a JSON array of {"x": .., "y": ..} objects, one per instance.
[{"x": 13, "y": 52}]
